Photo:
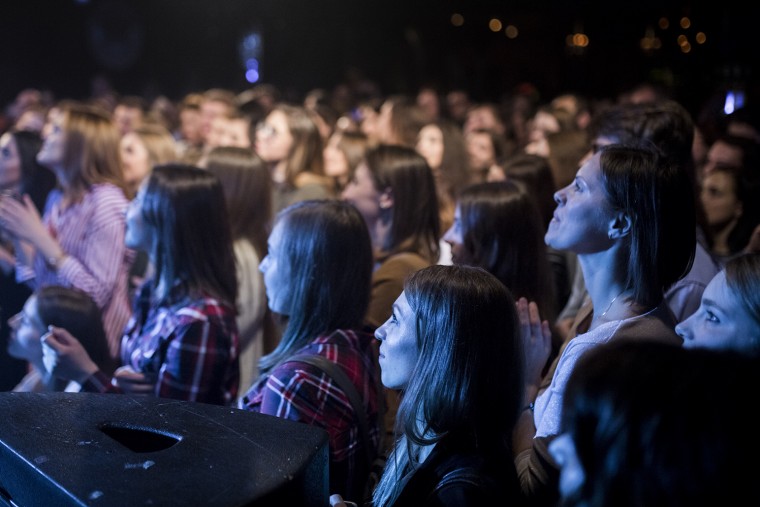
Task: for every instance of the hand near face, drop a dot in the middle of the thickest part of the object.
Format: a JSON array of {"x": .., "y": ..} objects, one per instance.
[
  {"x": 65, "y": 357},
  {"x": 537, "y": 340},
  {"x": 21, "y": 219}
]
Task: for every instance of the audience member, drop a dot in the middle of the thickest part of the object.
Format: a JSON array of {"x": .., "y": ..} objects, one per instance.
[
  {"x": 182, "y": 341},
  {"x": 497, "y": 227},
  {"x": 248, "y": 194},
  {"x": 142, "y": 148},
  {"x": 729, "y": 316},
  {"x": 20, "y": 174},
  {"x": 630, "y": 218},
  {"x": 290, "y": 143},
  {"x": 485, "y": 148},
  {"x": 730, "y": 200},
  {"x": 58, "y": 306},
  {"x": 317, "y": 276},
  {"x": 79, "y": 241},
  {"x": 342, "y": 154},
  {"x": 452, "y": 332},
  {"x": 534, "y": 173},
  {"x": 443, "y": 146},
  {"x": 394, "y": 190},
  {"x": 399, "y": 121},
  {"x": 129, "y": 113},
  {"x": 649, "y": 424},
  {"x": 668, "y": 125}
]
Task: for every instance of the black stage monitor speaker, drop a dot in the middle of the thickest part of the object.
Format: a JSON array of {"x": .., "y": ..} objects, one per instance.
[{"x": 71, "y": 449}]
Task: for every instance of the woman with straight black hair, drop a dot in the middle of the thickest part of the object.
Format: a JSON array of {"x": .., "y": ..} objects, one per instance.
[
  {"x": 317, "y": 277},
  {"x": 182, "y": 341}
]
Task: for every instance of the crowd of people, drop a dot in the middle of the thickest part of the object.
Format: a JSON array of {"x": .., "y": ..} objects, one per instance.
[{"x": 531, "y": 301}]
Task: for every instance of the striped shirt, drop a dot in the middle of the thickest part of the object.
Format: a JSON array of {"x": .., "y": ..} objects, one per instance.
[{"x": 91, "y": 233}]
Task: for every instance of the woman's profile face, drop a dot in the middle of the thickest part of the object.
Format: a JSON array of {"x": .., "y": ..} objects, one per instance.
[
  {"x": 51, "y": 153},
  {"x": 361, "y": 192},
  {"x": 276, "y": 270},
  {"x": 583, "y": 217},
  {"x": 480, "y": 150},
  {"x": 721, "y": 322},
  {"x": 430, "y": 145},
  {"x": 454, "y": 237},
  {"x": 719, "y": 199},
  {"x": 26, "y": 331},
  {"x": 273, "y": 138},
  {"x": 135, "y": 161},
  {"x": 336, "y": 163},
  {"x": 398, "y": 345}
]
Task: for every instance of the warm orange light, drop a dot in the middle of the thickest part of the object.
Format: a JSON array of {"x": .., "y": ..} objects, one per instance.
[
  {"x": 663, "y": 23},
  {"x": 457, "y": 19},
  {"x": 701, "y": 38},
  {"x": 682, "y": 40},
  {"x": 494, "y": 25},
  {"x": 685, "y": 22},
  {"x": 511, "y": 31},
  {"x": 686, "y": 48}
]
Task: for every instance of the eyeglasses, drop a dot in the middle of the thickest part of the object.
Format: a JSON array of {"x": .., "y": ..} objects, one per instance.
[{"x": 265, "y": 130}]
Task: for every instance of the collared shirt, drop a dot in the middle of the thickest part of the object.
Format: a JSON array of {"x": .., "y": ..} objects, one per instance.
[
  {"x": 302, "y": 392},
  {"x": 190, "y": 347},
  {"x": 91, "y": 233}
]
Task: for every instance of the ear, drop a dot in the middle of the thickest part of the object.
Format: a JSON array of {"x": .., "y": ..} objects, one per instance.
[
  {"x": 620, "y": 226},
  {"x": 386, "y": 199}
]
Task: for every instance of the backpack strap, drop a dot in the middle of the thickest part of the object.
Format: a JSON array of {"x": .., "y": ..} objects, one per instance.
[{"x": 344, "y": 383}]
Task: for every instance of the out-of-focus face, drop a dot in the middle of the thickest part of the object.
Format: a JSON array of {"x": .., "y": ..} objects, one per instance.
[
  {"x": 211, "y": 109},
  {"x": 719, "y": 199},
  {"x": 26, "y": 331},
  {"x": 542, "y": 123},
  {"x": 217, "y": 133},
  {"x": 454, "y": 237},
  {"x": 273, "y": 138},
  {"x": 480, "y": 150},
  {"x": 135, "y": 161},
  {"x": 236, "y": 133},
  {"x": 722, "y": 153},
  {"x": 721, "y": 322},
  {"x": 571, "y": 475},
  {"x": 482, "y": 118},
  {"x": 430, "y": 145},
  {"x": 10, "y": 164},
  {"x": 139, "y": 235},
  {"x": 52, "y": 150},
  {"x": 336, "y": 163},
  {"x": 361, "y": 192},
  {"x": 398, "y": 345},
  {"x": 126, "y": 118},
  {"x": 276, "y": 270},
  {"x": 190, "y": 126},
  {"x": 583, "y": 217}
]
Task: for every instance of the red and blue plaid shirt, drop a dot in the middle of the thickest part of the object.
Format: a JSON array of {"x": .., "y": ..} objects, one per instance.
[
  {"x": 302, "y": 392},
  {"x": 190, "y": 347}
]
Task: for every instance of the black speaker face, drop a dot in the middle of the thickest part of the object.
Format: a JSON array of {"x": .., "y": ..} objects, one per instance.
[{"x": 109, "y": 449}]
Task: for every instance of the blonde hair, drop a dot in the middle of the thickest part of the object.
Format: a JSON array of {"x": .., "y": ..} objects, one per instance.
[{"x": 91, "y": 149}]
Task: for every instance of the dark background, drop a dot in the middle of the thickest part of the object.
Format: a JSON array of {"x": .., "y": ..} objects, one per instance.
[{"x": 173, "y": 47}]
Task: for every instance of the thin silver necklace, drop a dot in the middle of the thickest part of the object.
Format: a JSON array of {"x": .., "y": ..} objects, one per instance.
[{"x": 610, "y": 305}]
